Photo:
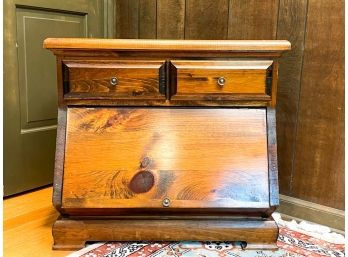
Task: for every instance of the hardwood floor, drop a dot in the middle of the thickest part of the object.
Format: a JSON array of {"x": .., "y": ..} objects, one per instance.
[{"x": 28, "y": 220}]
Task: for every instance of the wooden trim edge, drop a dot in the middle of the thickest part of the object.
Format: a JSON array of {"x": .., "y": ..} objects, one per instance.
[
  {"x": 272, "y": 157},
  {"x": 59, "y": 160},
  {"x": 312, "y": 212},
  {"x": 72, "y": 233},
  {"x": 172, "y": 45}
]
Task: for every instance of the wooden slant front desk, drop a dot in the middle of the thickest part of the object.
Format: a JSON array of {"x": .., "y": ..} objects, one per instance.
[{"x": 166, "y": 140}]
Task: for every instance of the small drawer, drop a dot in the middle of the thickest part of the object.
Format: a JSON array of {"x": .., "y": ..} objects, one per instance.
[
  {"x": 129, "y": 79},
  {"x": 221, "y": 80}
]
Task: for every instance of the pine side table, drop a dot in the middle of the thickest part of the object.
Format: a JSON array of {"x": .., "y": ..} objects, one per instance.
[{"x": 166, "y": 140}]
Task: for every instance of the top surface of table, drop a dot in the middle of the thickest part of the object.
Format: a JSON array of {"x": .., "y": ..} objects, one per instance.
[{"x": 165, "y": 45}]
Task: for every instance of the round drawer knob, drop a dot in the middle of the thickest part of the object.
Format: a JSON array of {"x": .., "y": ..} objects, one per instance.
[
  {"x": 166, "y": 202},
  {"x": 113, "y": 81},
  {"x": 221, "y": 81}
]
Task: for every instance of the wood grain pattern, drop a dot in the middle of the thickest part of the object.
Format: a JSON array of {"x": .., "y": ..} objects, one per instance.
[
  {"x": 319, "y": 163},
  {"x": 165, "y": 45},
  {"x": 170, "y": 19},
  {"x": 291, "y": 26},
  {"x": 59, "y": 159},
  {"x": 127, "y": 165},
  {"x": 206, "y": 19},
  {"x": 253, "y": 19},
  {"x": 72, "y": 234},
  {"x": 30, "y": 216},
  {"x": 106, "y": 148},
  {"x": 272, "y": 157},
  {"x": 147, "y": 18},
  {"x": 134, "y": 79},
  {"x": 127, "y": 18},
  {"x": 198, "y": 79}
]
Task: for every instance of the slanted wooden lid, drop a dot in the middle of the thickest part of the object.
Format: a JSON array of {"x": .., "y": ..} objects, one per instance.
[{"x": 165, "y": 45}]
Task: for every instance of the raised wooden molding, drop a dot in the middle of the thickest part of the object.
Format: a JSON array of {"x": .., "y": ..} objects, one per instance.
[
  {"x": 164, "y": 45},
  {"x": 313, "y": 212}
]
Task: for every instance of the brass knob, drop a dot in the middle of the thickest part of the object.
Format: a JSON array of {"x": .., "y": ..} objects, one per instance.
[
  {"x": 113, "y": 81},
  {"x": 221, "y": 81},
  {"x": 166, "y": 202}
]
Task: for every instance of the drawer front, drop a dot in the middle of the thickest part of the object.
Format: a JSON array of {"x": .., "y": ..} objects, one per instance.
[
  {"x": 243, "y": 80},
  {"x": 165, "y": 159},
  {"x": 114, "y": 79}
]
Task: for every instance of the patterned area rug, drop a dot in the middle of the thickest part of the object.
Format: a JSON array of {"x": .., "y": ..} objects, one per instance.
[{"x": 293, "y": 242}]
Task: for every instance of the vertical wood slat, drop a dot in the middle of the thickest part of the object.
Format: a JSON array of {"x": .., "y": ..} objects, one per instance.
[
  {"x": 206, "y": 19},
  {"x": 170, "y": 19},
  {"x": 253, "y": 19},
  {"x": 147, "y": 19},
  {"x": 291, "y": 26},
  {"x": 127, "y": 18},
  {"x": 319, "y": 161}
]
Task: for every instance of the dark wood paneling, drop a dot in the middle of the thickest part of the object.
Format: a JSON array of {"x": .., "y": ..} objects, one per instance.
[
  {"x": 291, "y": 26},
  {"x": 253, "y": 19},
  {"x": 170, "y": 19},
  {"x": 206, "y": 19},
  {"x": 319, "y": 162},
  {"x": 147, "y": 19},
  {"x": 127, "y": 19}
]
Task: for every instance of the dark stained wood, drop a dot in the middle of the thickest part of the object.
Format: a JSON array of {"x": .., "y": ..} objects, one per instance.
[
  {"x": 169, "y": 140},
  {"x": 59, "y": 160},
  {"x": 199, "y": 79},
  {"x": 272, "y": 157},
  {"x": 319, "y": 162},
  {"x": 145, "y": 161},
  {"x": 206, "y": 19},
  {"x": 170, "y": 19},
  {"x": 133, "y": 79},
  {"x": 127, "y": 18},
  {"x": 253, "y": 19},
  {"x": 147, "y": 18},
  {"x": 232, "y": 101},
  {"x": 291, "y": 26},
  {"x": 71, "y": 234},
  {"x": 274, "y": 80}
]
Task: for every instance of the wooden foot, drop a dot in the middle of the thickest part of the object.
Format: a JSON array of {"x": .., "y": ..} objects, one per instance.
[{"x": 72, "y": 233}]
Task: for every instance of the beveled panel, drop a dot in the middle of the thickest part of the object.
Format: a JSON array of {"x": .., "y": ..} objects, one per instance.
[
  {"x": 37, "y": 74},
  {"x": 136, "y": 157},
  {"x": 210, "y": 79},
  {"x": 121, "y": 79}
]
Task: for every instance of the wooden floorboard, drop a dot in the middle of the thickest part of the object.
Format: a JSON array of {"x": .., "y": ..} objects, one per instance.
[{"x": 28, "y": 220}]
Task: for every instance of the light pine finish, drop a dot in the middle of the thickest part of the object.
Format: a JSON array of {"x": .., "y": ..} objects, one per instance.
[
  {"x": 199, "y": 79},
  {"x": 28, "y": 221},
  {"x": 165, "y": 45},
  {"x": 107, "y": 149}
]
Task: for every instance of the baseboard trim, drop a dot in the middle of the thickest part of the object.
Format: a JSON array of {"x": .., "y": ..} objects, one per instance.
[{"x": 313, "y": 212}]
